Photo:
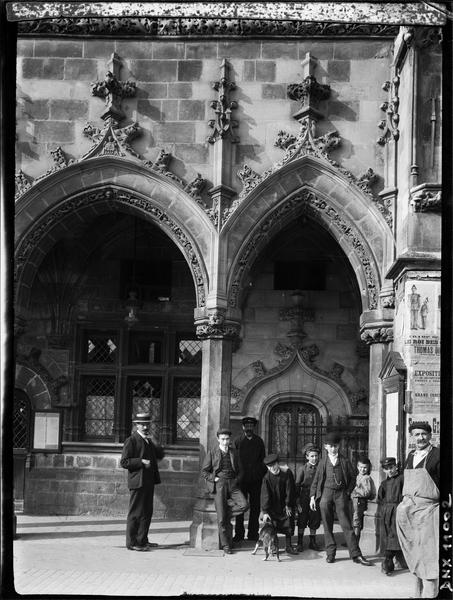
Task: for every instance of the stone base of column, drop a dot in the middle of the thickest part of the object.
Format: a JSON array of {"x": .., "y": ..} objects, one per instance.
[
  {"x": 369, "y": 538},
  {"x": 204, "y": 532}
]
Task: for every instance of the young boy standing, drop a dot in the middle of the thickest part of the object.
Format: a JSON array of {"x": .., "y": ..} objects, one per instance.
[
  {"x": 306, "y": 516},
  {"x": 390, "y": 494},
  {"x": 363, "y": 491}
]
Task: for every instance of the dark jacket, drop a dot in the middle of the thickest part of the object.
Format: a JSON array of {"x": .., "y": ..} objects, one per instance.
[
  {"x": 135, "y": 448},
  {"x": 277, "y": 491},
  {"x": 251, "y": 454},
  {"x": 432, "y": 464},
  {"x": 348, "y": 476},
  {"x": 304, "y": 479},
  {"x": 211, "y": 466}
]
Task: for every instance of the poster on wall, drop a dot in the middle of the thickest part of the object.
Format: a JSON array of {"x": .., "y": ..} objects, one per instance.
[
  {"x": 47, "y": 431},
  {"x": 422, "y": 319}
]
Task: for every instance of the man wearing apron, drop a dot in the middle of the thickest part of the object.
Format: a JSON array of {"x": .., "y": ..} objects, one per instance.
[{"x": 417, "y": 517}]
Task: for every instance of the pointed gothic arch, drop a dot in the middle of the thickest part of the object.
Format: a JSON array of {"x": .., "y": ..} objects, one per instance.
[
  {"x": 315, "y": 187},
  {"x": 97, "y": 186}
]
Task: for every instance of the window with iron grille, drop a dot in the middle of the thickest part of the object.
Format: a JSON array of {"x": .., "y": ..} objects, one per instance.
[
  {"x": 145, "y": 394},
  {"x": 188, "y": 396},
  {"x": 99, "y": 399},
  {"x": 188, "y": 351}
]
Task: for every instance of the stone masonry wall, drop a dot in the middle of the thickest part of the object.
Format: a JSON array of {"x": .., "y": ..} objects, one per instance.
[
  {"x": 174, "y": 91},
  {"x": 77, "y": 484}
]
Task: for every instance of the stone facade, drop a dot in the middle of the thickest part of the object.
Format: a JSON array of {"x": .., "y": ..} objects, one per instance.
[{"x": 255, "y": 167}]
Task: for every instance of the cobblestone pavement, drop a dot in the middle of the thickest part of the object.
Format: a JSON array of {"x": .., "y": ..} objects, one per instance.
[{"x": 87, "y": 556}]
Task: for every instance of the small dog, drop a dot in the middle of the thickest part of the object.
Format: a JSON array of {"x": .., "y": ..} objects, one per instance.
[{"x": 268, "y": 537}]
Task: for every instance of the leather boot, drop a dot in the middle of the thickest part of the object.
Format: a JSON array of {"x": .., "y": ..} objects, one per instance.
[
  {"x": 312, "y": 544},
  {"x": 300, "y": 542}
]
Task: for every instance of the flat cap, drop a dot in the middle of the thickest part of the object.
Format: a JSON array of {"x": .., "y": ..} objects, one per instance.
[
  {"x": 332, "y": 438},
  {"x": 223, "y": 431},
  {"x": 311, "y": 448},
  {"x": 420, "y": 425},
  {"x": 142, "y": 418},
  {"x": 388, "y": 462},
  {"x": 270, "y": 459},
  {"x": 251, "y": 420}
]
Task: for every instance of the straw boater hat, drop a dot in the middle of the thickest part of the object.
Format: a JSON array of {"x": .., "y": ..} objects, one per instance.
[{"x": 142, "y": 418}]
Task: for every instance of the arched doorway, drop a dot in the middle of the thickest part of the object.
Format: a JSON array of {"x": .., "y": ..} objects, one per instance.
[
  {"x": 21, "y": 444},
  {"x": 292, "y": 426}
]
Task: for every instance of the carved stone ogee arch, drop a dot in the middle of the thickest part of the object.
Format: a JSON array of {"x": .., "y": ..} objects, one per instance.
[
  {"x": 297, "y": 380},
  {"x": 312, "y": 186},
  {"x": 100, "y": 186}
]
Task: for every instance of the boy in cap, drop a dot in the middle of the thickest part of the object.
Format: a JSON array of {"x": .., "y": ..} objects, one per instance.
[
  {"x": 363, "y": 491},
  {"x": 278, "y": 498},
  {"x": 332, "y": 485},
  {"x": 390, "y": 494},
  {"x": 140, "y": 455},
  {"x": 220, "y": 470},
  {"x": 306, "y": 516},
  {"x": 251, "y": 452},
  {"x": 417, "y": 516}
]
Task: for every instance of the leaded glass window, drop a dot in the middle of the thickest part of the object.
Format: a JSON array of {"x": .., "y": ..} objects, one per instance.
[
  {"x": 100, "y": 347},
  {"x": 188, "y": 392},
  {"x": 188, "y": 352},
  {"x": 99, "y": 407},
  {"x": 146, "y": 397},
  {"x": 21, "y": 420}
]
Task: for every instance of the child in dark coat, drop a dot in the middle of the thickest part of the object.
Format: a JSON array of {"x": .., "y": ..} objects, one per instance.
[
  {"x": 278, "y": 498},
  {"x": 390, "y": 494},
  {"x": 306, "y": 516}
]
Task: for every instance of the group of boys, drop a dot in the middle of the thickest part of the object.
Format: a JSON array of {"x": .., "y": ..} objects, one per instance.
[{"x": 241, "y": 477}]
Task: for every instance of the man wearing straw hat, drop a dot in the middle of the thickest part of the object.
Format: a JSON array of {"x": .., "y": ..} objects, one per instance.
[{"x": 139, "y": 457}]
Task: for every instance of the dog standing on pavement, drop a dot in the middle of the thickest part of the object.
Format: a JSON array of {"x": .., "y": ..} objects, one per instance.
[{"x": 269, "y": 538}]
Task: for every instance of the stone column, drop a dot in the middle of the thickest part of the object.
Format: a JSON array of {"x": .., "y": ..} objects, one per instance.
[
  {"x": 379, "y": 335},
  {"x": 218, "y": 337}
]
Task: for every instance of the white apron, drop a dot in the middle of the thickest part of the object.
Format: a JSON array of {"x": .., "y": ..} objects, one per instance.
[{"x": 417, "y": 523}]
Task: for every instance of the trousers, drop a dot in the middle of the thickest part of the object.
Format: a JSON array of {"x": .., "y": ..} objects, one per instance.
[
  {"x": 252, "y": 492},
  {"x": 229, "y": 502},
  {"x": 139, "y": 515},
  {"x": 339, "y": 499}
]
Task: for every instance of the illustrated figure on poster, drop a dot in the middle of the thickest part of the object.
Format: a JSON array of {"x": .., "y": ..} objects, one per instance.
[
  {"x": 414, "y": 304},
  {"x": 424, "y": 312}
]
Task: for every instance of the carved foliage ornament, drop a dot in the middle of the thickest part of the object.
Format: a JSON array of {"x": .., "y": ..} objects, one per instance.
[
  {"x": 306, "y": 202},
  {"x": 389, "y": 124},
  {"x": 223, "y": 124},
  {"x": 377, "y": 335},
  {"x": 168, "y": 27},
  {"x": 31, "y": 240},
  {"x": 425, "y": 200}
]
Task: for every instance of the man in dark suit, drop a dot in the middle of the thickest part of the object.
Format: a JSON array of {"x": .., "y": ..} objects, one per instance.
[
  {"x": 139, "y": 457},
  {"x": 251, "y": 472},
  {"x": 332, "y": 485},
  {"x": 220, "y": 470},
  {"x": 417, "y": 516}
]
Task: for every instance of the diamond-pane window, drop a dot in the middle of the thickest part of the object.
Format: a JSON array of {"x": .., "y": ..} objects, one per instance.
[
  {"x": 146, "y": 397},
  {"x": 100, "y": 347},
  {"x": 99, "y": 407},
  {"x": 21, "y": 420},
  {"x": 189, "y": 352},
  {"x": 188, "y": 392},
  {"x": 145, "y": 348}
]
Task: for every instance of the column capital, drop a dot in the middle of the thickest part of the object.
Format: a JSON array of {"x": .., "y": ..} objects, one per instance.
[
  {"x": 377, "y": 333},
  {"x": 214, "y": 324}
]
